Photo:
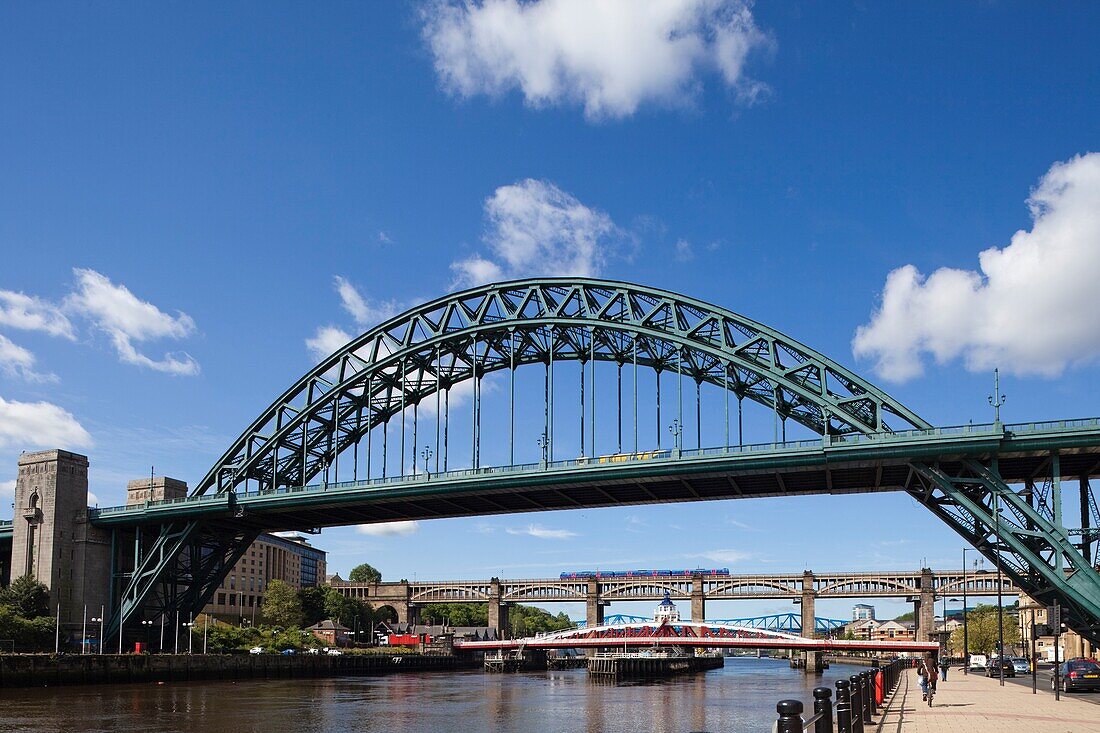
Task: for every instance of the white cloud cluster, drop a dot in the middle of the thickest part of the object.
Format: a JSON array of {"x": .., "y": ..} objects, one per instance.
[
  {"x": 126, "y": 319},
  {"x": 39, "y": 424},
  {"x": 110, "y": 308},
  {"x": 726, "y": 557},
  {"x": 535, "y": 228},
  {"x": 7, "y": 489},
  {"x": 1030, "y": 310},
  {"x": 610, "y": 56},
  {"x": 389, "y": 529},
  {"x": 542, "y": 533},
  {"x": 28, "y": 313},
  {"x": 365, "y": 312}
]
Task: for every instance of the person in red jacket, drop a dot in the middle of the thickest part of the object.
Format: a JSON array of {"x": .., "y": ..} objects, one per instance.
[{"x": 928, "y": 675}]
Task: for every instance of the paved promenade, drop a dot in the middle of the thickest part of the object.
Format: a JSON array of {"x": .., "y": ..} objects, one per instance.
[{"x": 973, "y": 703}]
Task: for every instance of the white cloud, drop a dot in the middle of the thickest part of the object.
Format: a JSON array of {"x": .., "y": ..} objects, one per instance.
[
  {"x": 15, "y": 361},
  {"x": 326, "y": 341},
  {"x": 384, "y": 238},
  {"x": 1030, "y": 310},
  {"x": 126, "y": 319},
  {"x": 684, "y": 251},
  {"x": 7, "y": 489},
  {"x": 41, "y": 425},
  {"x": 367, "y": 313},
  {"x": 389, "y": 528},
  {"x": 609, "y": 56},
  {"x": 29, "y": 313},
  {"x": 726, "y": 557},
  {"x": 538, "y": 229},
  {"x": 93, "y": 500},
  {"x": 535, "y": 530}
]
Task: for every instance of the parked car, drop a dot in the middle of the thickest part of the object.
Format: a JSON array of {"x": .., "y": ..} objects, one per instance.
[
  {"x": 1078, "y": 674},
  {"x": 1021, "y": 665},
  {"x": 256, "y": 650},
  {"x": 313, "y": 650},
  {"x": 977, "y": 662},
  {"x": 289, "y": 651},
  {"x": 334, "y": 652},
  {"x": 993, "y": 669}
]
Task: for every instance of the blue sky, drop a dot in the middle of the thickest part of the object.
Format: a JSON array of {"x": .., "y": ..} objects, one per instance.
[{"x": 181, "y": 187}]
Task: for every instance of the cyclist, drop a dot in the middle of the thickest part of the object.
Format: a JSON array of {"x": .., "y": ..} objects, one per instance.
[{"x": 928, "y": 676}]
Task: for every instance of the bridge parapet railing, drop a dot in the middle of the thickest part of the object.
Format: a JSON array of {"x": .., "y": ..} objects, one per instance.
[{"x": 989, "y": 429}]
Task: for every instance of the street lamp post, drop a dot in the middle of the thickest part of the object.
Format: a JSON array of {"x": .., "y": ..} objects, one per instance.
[
  {"x": 147, "y": 625},
  {"x": 190, "y": 636},
  {"x": 544, "y": 445},
  {"x": 84, "y": 632},
  {"x": 677, "y": 430},
  {"x": 426, "y": 454},
  {"x": 1000, "y": 600}
]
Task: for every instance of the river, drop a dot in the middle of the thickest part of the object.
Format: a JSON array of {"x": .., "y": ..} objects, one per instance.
[{"x": 737, "y": 699}]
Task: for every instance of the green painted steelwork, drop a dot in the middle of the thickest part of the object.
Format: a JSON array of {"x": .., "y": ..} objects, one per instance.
[{"x": 262, "y": 480}]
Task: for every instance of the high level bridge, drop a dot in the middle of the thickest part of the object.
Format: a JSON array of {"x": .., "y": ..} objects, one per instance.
[
  {"x": 922, "y": 587},
  {"x": 346, "y": 442}
]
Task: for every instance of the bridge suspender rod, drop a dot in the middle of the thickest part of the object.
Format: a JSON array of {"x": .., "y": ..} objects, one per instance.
[
  {"x": 416, "y": 410},
  {"x": 679, "y": 390},
  {"x": 402, "y": 417},
  {"x": 305, "y": 455},
  {"x": 740, "y": 421},
  {"x": 1086, "y": 518},
  {"x": 619, "y": 411},
  {"x": 550, "y": 436},
  {"x": 635, "y": 393},
  {"x": 698, "y": 416},
  {"x": 333, "y": 440},
  {"x": 726, "y": 398},
  {"x": 446, "y": 424},
  {"x": 592, "y": 379},
  {"x": 438, "y": 385},
  {"x": 1056, "y": 498},
  {"x": 473, "y": 410},
  {"x": 385, "y": 440},
  {"x": 658, "y": 409},
  {"x": 355, "y": 446},
  {"x": 582, "y": 408},
  {"x": 511, "y": 397}
]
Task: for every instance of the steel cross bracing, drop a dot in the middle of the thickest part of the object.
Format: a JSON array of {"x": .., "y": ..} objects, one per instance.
[{"x": 423, "y": 353}]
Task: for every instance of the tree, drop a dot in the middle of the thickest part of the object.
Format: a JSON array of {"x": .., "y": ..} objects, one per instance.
[
  {"x": 28, "y": 597},
  {"x": 339, "y": 607},
  {"x": 365, "y": 574},
  {"x": 982, "y": 632},
  {"x": 281, "y": 605},
  {"x": 911, "y": 616},
  {"x": 313, "y": 604}
]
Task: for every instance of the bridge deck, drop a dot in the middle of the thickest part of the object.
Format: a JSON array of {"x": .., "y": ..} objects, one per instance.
[{"x": 849, "y": 464}]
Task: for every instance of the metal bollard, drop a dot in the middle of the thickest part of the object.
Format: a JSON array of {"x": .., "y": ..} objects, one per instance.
[
  {"x": 857, "y": 704},
  {"x": 872, "y": 697},
  {"x": 843, "y": 706},
  {"x": 823, "y": 704},
  {"x": 790, "y": 716},
  {"x": 867, "y": 692}
]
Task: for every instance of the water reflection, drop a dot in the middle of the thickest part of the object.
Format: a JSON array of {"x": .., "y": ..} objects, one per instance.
[{"x": 738, "y": 699}]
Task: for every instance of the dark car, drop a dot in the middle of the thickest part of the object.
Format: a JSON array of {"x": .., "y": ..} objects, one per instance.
[
  {"x": 1078, "y": 674},
  {"x": 993, "y": 669}
]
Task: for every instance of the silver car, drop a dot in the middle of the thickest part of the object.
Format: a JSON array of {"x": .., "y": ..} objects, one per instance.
[{"x": 1020, "y": 665}]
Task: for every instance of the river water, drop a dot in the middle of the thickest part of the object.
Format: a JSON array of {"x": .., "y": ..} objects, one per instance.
[{"x": 737, "y": 699}]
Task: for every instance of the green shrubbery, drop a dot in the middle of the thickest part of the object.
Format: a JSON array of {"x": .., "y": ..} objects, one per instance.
[{"x": 24, "y": 619}]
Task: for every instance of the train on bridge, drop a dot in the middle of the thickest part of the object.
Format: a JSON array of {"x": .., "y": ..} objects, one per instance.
[{"x": 586, "y": 574}]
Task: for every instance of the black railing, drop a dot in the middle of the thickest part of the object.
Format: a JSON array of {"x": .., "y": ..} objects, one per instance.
[{"x": 856, "y": 706}]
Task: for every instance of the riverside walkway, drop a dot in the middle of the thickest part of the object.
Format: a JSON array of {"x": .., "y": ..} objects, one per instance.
[{"x": 969, "y": 703}]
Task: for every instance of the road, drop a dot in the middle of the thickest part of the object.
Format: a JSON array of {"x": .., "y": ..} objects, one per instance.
[{"x": 1042, "y": 684}]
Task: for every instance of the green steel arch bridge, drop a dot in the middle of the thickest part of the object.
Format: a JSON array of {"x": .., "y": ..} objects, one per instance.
[{"x": 321, "y": 454}]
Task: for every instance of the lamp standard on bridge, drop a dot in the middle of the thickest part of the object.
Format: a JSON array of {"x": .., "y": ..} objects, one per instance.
[
  {"x": 544, "y": 445},
  {"x": 146, "y": 625},
  {"x": 99, "y": 619},
  {"x": 426, "y": 454},
  {"x": 677, "y": 430}
]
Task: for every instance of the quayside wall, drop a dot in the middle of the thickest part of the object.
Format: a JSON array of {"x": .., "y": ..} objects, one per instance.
[{"x": 47, "y": 670}]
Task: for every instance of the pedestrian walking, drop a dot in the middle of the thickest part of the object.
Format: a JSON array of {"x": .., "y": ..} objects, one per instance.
[{"x": 943, "y": 668}]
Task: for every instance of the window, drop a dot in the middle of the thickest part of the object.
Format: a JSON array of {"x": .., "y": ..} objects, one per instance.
[{"x": 221, "y": 599}]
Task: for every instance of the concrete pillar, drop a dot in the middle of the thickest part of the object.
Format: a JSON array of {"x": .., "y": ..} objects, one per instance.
[
  {"x": 498, "y": 610},
  {"x": 593, "y": 607},
  {"x": 814, "y": 662},
  {"x": 698, "y": 600},
  {"x": 926, "y": 607},
  {"x": 809, "y": 610}
]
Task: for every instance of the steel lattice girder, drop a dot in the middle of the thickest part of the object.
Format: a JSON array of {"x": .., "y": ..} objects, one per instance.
[
  {"x": 495, "y": 327},
  {"x": 1034, "y": 551}
]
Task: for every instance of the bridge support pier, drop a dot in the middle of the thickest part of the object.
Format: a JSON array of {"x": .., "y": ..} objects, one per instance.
[
  {"x": 698, "y": 600},
  {"x": 498, "y": 610},
  {"x": 809, "y": 609},
  {"x": 813, "y": 662},
  {"x": 925, "y": 608},
  {"x": 593, "y": 605}
]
